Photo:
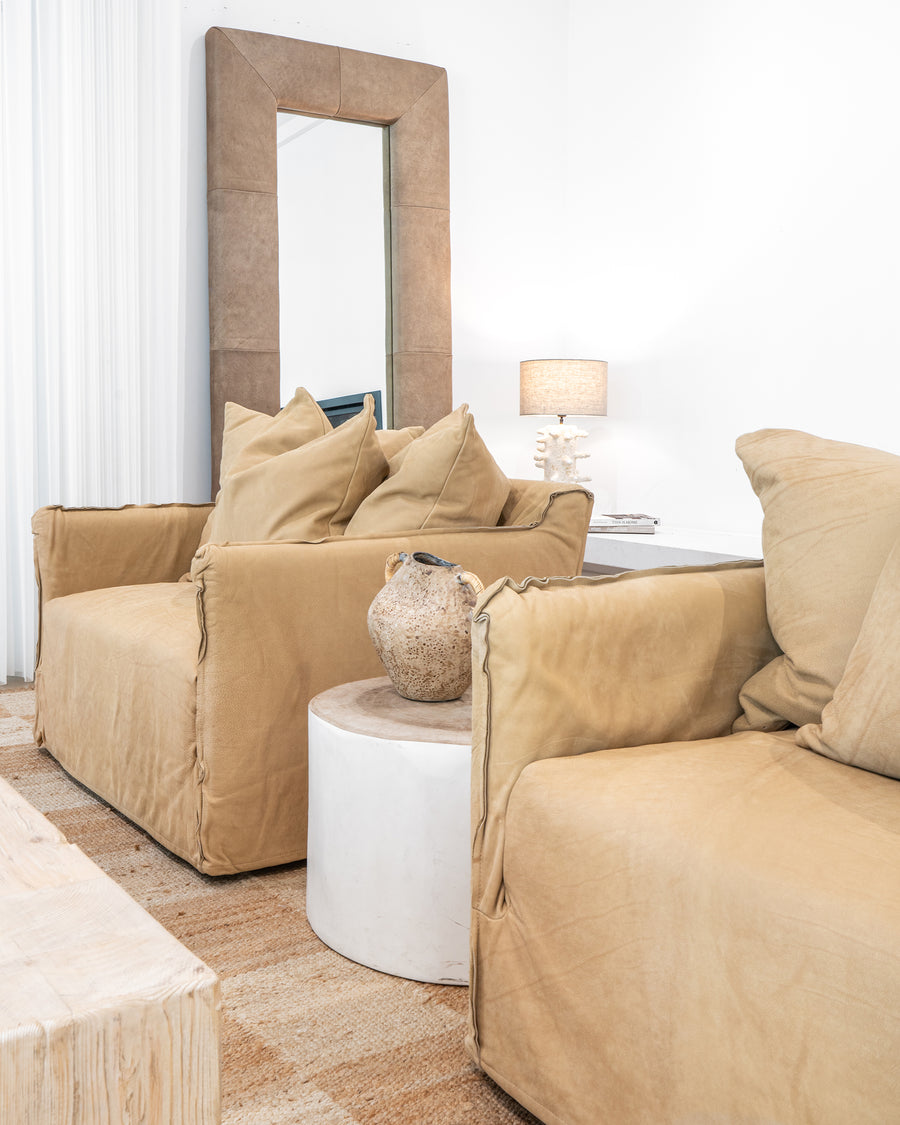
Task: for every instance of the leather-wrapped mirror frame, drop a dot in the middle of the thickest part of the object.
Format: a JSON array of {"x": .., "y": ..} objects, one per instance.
[{"x": 249, "y": 77}]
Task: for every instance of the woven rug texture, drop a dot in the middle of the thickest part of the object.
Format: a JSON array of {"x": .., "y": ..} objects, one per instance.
[{"x": 308, "y": 1036}]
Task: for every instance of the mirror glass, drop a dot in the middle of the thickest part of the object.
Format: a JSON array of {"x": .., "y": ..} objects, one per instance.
[{"x": 333, "y": 265}]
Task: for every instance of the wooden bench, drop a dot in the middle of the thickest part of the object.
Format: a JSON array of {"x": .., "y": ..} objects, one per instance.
[{"x": 104, "y": 1016}]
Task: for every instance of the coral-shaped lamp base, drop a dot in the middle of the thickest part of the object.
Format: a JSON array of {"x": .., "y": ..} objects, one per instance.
[{"x": 556, "y": 452}]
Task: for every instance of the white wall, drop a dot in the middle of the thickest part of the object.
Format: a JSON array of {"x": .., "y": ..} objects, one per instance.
[
  {"x": 735, "y": 236},
  {"x": 702, "y": 193},
  {"x": 506, "y": 67}
]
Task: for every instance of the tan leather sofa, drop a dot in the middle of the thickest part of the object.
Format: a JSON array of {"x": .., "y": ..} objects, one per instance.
[
  {"x": 184, "y": 704},
  {"x": 686, "y": 812}
]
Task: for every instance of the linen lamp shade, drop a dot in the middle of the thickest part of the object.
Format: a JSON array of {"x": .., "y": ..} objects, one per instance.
[{"x": 562, "y": 386}]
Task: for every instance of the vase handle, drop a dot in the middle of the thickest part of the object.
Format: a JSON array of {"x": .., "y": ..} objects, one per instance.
[
  {"x": 469, "y": 579},
  {"x": 393, "y": 564}
]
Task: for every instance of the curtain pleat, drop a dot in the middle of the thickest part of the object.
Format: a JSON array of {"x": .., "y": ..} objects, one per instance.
[{"x": 90, "y": 163}]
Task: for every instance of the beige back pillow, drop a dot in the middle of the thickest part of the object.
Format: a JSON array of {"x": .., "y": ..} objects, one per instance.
[
  {"x": 861, "y": 724},
  {"x": 306, "y": 493},
  {"x": 250, "y": 437},
  {"x": 446, "y": 478},
  {"x": 392, "y": 441},
  {"x": 831, "y": 516}
]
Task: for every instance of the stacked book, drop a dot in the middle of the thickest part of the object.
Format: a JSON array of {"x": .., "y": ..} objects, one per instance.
[{"x": 625, "y": 523}]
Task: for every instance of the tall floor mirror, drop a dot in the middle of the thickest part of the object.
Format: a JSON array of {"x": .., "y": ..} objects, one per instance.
[{"x": 259, "y": 87}]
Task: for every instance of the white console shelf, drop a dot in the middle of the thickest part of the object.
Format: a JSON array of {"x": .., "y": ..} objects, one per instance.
[{"x": 670, "y": 546}]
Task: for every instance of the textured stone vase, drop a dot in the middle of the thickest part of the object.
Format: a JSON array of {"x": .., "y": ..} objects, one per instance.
[{"x": 420, "y": 624}]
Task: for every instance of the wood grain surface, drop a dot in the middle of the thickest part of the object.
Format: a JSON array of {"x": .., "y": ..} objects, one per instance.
[{"x": 104, "y": 1016}]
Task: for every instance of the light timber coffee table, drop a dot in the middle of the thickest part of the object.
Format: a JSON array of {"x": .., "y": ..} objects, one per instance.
[
  {"x": 104, "y": 1016},
  {"x": 389, "y": 851}
]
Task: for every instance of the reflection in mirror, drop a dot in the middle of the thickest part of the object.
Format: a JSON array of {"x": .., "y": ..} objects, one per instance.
[{"x": 332, "y": 271}]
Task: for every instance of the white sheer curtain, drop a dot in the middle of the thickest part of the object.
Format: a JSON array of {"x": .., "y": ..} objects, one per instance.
[{"x": 90, "y": 168}]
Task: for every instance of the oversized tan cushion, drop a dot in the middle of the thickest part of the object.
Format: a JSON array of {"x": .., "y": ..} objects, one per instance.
[
  {"x": 306, "y": 493},
  {"x": 118, "y": 704},
  {"x": 392, "y": 441},
  {"x": 250, "y": 436},
  {"x": 446, "y": 478},
  {"x": 700, "y": 932},
  {"x": 831, "y": 516},
  {"x": 861, "y": 724}
]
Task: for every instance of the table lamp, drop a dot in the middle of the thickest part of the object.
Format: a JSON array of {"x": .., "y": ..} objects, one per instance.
[{"x": 561, "y": 387}]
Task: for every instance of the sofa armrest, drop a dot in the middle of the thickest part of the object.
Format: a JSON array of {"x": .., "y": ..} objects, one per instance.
[
  {"x": 531, "y": 501},
  {"x": 569, "y": 666},
  {"x": 546, "y": 535},
  {"x": 79, "y": 549},
  {"x": 282, "y": 621},
  {"x": 95, "y": 548}
]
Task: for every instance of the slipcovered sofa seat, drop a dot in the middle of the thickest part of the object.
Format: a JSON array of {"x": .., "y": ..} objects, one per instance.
[
  {"x": 686, "y": 891},
  {"x": 184, "y": 704}
]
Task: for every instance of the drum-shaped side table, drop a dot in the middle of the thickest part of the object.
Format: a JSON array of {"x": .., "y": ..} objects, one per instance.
[{"x": 389, "y": 852}]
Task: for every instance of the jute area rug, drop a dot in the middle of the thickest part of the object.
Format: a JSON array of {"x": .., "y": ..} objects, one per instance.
[{"x": 308, "y": 1036}]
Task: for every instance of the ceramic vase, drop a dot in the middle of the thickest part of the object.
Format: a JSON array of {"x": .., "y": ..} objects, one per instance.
[{"x": 420, "y": 624}]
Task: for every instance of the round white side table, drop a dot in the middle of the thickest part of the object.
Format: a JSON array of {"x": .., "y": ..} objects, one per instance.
[{"x": 389, "y": 851}]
